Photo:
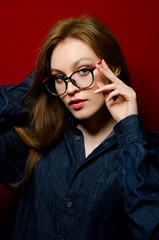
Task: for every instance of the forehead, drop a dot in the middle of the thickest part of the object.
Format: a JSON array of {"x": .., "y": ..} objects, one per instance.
[{"x": 71, "y": 50}]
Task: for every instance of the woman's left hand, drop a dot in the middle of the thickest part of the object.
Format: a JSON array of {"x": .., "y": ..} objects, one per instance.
[{"x": 126, "y": 103}]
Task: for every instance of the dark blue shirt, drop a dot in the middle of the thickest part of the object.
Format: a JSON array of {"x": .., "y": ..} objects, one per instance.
[{"x": 112, "y": 194}]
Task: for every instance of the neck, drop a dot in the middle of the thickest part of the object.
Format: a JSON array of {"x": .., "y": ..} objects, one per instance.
[
  {"x": 95, "y": 131},
  {"x": 99, "y": 125}
]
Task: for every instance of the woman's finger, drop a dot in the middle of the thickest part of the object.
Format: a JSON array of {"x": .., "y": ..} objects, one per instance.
[
  {"x": 128, "y": 95},
  {"x": 110, "y": 87},
  {"x": 104, "y": 69}
]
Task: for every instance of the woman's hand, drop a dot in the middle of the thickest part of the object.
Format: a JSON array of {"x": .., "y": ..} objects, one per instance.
[{"x": 126, "y": 103}]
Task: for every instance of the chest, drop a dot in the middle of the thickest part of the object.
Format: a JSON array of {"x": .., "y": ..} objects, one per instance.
[
  {"x": 64, "y": 173},
  {"x": 68, "y": 190}
]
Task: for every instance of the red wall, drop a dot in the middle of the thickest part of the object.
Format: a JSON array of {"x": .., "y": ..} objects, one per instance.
[{"x": 24, "y": 23}]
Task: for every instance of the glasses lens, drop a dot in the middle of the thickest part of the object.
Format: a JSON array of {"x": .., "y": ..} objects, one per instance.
[
  {"x": 83, "y": 78},
  {"x": 56, "y": 86}
]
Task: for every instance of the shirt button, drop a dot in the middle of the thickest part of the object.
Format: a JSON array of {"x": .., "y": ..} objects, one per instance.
[
  {"x": 78, "y": 138},
  {"x": 69, "y": 204}
]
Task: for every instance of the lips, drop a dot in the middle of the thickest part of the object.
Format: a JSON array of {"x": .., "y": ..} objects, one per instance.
[{"x": 77, "y": 103}]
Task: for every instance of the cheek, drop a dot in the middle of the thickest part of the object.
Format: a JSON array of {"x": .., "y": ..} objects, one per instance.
[
  {"x": 63, "y": 97},
  {"x": 100, "y": 99},
  {"x": 96, "y": 99}
]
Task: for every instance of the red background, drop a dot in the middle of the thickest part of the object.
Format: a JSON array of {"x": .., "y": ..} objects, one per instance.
[{"x": 23, "y": 25}]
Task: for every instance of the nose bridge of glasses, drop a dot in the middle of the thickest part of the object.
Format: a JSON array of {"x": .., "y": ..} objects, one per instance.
[{"x": 71, "y": 84}]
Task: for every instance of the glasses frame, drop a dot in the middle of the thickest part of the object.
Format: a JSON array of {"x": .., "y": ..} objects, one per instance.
[{"x": 65, "y": 79}]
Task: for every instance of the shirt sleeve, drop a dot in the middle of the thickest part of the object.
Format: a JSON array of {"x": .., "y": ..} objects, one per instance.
[
  {"x": 11, "y": 100},
  {"x": 139, "y": 177},
  {"x": 13, "y": 152}
]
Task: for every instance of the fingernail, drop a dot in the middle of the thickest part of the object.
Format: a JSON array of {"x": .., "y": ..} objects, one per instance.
[{"x": 98, "y": 63}]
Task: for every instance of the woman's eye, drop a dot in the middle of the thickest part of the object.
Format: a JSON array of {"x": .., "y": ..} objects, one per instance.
[
  {"x": 59, "y": 77},
  {"x": 84, "y": 71}
]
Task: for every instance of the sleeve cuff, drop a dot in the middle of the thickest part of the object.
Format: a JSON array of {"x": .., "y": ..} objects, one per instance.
[{"x": 129, "y": 129}]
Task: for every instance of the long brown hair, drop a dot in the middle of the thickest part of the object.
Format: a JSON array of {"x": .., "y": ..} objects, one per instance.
[{"x": 48, "y": 117}]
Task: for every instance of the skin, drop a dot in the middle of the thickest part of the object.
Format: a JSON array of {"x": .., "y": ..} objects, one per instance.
[{"x": 99, "y": 113}]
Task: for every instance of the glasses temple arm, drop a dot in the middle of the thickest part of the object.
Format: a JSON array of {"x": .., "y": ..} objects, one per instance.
[{"x": 46, "y": 78}]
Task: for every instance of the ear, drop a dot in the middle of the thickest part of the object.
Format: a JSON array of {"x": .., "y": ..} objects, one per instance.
[{"x": 117, "y": 71}]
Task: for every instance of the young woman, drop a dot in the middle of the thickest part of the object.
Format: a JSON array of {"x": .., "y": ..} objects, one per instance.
[{"x": 75, "y": 151}]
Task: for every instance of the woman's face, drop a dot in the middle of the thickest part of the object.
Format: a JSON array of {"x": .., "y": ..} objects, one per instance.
[{"x": 69, "y": 56}]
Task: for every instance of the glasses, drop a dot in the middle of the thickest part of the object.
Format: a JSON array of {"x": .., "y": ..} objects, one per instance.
[{"x": 57, "y": 85}]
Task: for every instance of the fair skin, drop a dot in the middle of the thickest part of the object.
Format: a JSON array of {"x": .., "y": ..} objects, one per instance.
[{"x": 94, "y": 107}]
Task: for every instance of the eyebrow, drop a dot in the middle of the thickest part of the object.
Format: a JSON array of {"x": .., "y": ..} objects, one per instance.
[
  {"x": 75, "y": 64},
  {"x": 80, "y": 60}
]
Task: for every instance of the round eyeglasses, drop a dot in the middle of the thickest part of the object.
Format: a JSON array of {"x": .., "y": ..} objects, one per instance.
[{"x": 57, "y": 85}]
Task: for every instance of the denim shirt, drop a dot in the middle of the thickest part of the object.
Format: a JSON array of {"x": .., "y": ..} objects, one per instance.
[{"x": 113, "y": 194}]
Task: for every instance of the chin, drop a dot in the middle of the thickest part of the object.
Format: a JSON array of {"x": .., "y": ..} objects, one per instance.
[{"x": 81, "y": 116}]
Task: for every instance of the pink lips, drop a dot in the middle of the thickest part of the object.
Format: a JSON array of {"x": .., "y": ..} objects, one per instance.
[{"x": 77, "y": 103}]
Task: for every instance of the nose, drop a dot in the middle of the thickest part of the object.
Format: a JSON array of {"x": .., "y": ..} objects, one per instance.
[{"x": 71, "y": 88}]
